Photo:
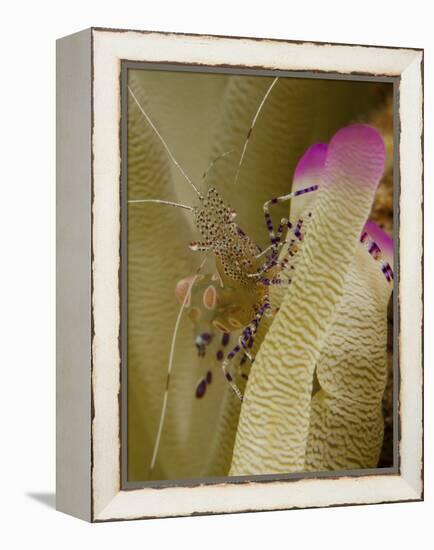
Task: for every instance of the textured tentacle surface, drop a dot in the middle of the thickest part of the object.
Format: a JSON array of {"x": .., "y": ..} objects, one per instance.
[
  {"x": 275, "y": 418},
  {"x": 346, "y": 424}
]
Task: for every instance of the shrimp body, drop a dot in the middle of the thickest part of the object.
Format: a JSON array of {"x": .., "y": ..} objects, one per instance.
[{"x": 231, "y": 294}]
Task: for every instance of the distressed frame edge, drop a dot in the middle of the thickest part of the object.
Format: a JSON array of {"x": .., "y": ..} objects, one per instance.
[
  {"x": 73, "y": 255},
  {"x": 411, "y": 370},
  {"x": 409, "y": 489},
  {"x": 403, "y": 493},
  {"x": 252, "y": 38}
]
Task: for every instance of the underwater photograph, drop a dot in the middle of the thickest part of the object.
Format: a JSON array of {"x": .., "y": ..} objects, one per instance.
[{"x": 258, "y": 274}]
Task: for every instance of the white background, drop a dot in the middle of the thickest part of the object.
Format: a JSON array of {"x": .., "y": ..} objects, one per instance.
[{"x": 27, "y": 145}]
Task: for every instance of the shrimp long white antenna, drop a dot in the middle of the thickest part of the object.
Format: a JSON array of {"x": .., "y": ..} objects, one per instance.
[
  {"x": 169, "y": 152},
  {"x": 211, "y": 164},
  {"x": 169, "y": 368},
  {"x": 255, "y": 118},
  {"x": 159, "y": 201}
]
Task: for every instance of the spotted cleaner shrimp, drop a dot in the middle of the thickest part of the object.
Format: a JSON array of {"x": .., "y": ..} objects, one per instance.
[{"x": 237, "y": 295}]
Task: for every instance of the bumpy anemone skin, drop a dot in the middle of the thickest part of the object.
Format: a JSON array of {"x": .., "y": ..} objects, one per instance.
[{"x": 275, "y": 418}]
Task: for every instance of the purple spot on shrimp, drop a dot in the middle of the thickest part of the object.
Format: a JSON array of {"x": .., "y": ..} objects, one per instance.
[
  {"x": 209, "y": 377},
  {"x": 225, "y": 339},
  {"x": 378, "y": 235},
  {"x": 228, "y": 377},
  {"x": 273, "y": 201},
  {"x": 387, "y": 270},
  {"x": 363, "y": 237},
  {"x": 243, "y": 360},
  {"x": 201, "y": 389},
  {"x": 307, "y": 190},
  {"x": 219, "y": 355},
  {"x": 244, "y": 375},
  {"x": 374, "y": 249},
  {"x": 234, "y": 352}
]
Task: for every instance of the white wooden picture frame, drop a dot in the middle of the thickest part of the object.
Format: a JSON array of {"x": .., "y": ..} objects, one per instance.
[{"x": 89, "y": 453}]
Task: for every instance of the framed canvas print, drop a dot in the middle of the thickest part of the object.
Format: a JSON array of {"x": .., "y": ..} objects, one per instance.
[{"x": 239, "y": 269}]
